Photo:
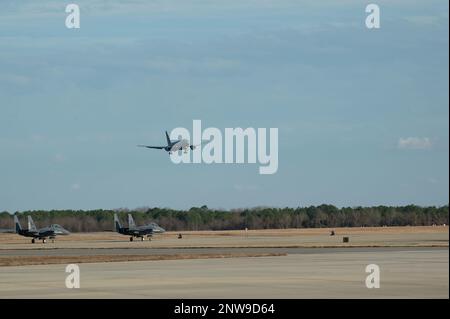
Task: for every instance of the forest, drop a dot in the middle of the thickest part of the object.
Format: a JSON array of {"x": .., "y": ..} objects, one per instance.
[{"x": 204, "y": 218}]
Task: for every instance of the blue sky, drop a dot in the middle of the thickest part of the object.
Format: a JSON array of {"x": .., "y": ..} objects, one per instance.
[{"x": 362, "y": 114}]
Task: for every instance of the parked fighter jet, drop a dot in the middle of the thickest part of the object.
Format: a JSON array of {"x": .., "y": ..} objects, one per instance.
[
  {"x": 173, "y": 146},
  {"x": 137, "y": 231},
  {"x": 42, "y": 234}
]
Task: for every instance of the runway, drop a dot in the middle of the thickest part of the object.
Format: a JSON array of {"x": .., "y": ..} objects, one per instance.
[
  {"x": 303, "y": 273},
  {"x": 293, "y": 263},
  {"x": 192, "y": 251}
]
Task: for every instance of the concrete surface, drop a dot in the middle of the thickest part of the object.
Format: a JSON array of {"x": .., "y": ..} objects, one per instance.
[{"x": 405, "y": 273}]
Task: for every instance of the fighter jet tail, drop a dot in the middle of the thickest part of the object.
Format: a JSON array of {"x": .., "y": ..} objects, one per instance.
[
  {"x": 17, "y": 223},
  {"x": 168, "y": 139},
  {"x": 117, "y": 224},
  {"x": 31, "y": 225},
  {"x": 131, "y": 223}
]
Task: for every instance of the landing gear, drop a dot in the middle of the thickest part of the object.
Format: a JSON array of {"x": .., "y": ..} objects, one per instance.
[
  {"x": 44, "y": 240},
  {"x": 33, "y": 241},
  {"x": 131, "y": 238},
  {"x": 142, "y": 238}
]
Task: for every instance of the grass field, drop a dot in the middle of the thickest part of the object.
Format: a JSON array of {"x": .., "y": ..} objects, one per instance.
[
  {"x": 421, "y": 236},
  {"x": 47, "y": 260}
]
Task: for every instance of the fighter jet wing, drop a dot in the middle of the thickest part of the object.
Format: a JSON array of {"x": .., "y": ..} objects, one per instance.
[
  {"x": 45, "y": 232},
  {"x": 156, "y": 147},
  {"x": 193, "y": 147},
  {"x": 11, "y": 231}
]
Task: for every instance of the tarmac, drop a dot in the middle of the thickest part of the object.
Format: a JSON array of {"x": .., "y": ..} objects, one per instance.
[
  {"x": 291, "y": 263},
  {"x": 192, "y": 251},
  {"x": 304, "y": 273}
]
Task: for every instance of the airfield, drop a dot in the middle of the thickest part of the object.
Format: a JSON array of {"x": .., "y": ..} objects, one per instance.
[{"x": 288, "y": 263}]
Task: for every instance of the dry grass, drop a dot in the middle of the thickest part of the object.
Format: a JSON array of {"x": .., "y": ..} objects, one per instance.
[
  {"x": 44, "y": 260},
  {"x": 5, "y": 238},
  {"x": 418, "y": 236}
]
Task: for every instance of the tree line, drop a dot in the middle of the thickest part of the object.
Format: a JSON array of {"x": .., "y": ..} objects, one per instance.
[{"x": 203, "y": 218}]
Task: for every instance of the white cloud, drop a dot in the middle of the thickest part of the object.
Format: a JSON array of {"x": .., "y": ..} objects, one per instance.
[
  {"x": 59, "y": 158},
  {"x": 37, "y": 138},
  {"x": 15, "y": 79},
  {"x": 423, "y": 20},
  {"x": 414, "y": 143},
  {"x": 245, "y": 188},
  {"x": 185, "y": 65}
]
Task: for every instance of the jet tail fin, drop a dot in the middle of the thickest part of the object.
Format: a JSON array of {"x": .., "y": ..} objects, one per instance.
[
  {"x": 117, "y": 224},
  {"x": 168, "y": 139},
  {"x": 31, "y": 225},
  {"x": 131, "y": 223},
  {"x": 17, "y": 224}
]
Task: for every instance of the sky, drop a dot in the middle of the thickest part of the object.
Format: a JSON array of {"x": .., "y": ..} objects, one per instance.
[{"x": 362, "y": 113}]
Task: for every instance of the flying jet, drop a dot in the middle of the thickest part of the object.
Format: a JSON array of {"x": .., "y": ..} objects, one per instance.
[
  {"x": 173, "y": 146},
  {"x": 42, "y": 234},
  {"x": 137, "y": 231}
]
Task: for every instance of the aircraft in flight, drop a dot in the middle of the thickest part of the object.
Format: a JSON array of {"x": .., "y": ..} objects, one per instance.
[
  {"x": 42, "y": 234},
  {"x": 137, "y": 231},
  {"x": 173, "y": 146}
]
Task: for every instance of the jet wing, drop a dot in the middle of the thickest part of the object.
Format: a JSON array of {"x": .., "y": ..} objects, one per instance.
[
  {"x": 156, "y": 147},
  {"x": 45, "y": 232},
  {"x": 11, "y": 231},
  {"x": 193, "y": 147},
  {"x": 143, "y": 230}
]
